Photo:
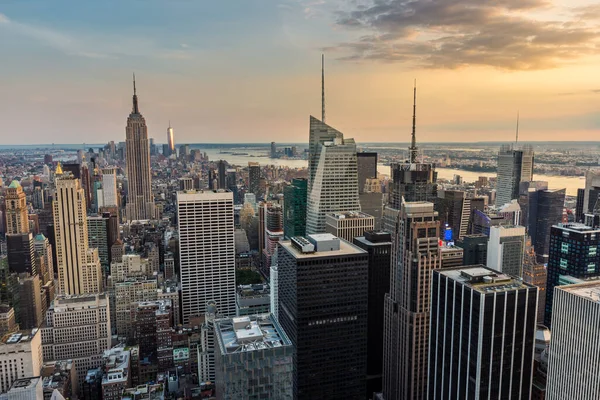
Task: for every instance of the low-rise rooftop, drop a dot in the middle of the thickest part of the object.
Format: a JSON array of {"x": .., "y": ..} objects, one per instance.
[{"x": 250, "y": 333}]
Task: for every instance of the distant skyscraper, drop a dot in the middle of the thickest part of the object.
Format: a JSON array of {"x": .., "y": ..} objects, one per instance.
[
  {"x": 587, "y": 197},
  {"x": 170, "y": 140},
  {"x": 454, "y": 208},
  {"x": 505, "y": 249},
  {"x": 475, "y": 249},
  {"x": 574, "y": 253},
  {"x": 415, "y": 253},
  {"x": 207, "y": 255},
  {"x": 534, "y": 273},
  {"x": 514, "y": 167},
  {"x": 379, "y": 247},
  {"x": 254, "y": 177},
  {"x": 222, "y": 167},
  {"x": 98, "y": 239},
  {"x": 273, "y": 150},
  {"x": 273, "y": 234},
  {"x": 140, "y": 201},
  {"x": 294, "y": 197},
  {"x": 348, "y": 225},
  {"x": 491, "y": 359},
  {"x": 16, "y": 209},
  {"x": 333, "y": 176},
  {"x": 542, "y": 208},
  {"x": 323, "y": 296},
  {"x": 573, "y": 367},
  {"x": 367, "y": 168},
  {"x": 109, "y": 187},
  {"x": 78, "y": 265}
]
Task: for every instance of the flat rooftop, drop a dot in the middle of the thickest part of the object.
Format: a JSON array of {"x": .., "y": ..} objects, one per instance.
[
  {"x": 577, "y": 227},
  {"x": 250, "y": 333},
  {"x": 483, "y": 279},
  {"x": 18, "y": 337},
  {"x": 349, "y": 215},
  {"x": 345, "y": 249},
  {"x": 586, "y": 290}
]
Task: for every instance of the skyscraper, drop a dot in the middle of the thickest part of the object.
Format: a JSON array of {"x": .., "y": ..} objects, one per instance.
[
  {"x": 505, "y": 249},
  {"x": 254, "y": 177},
  {"x": 16, "y": 209},
  {"x": 98, "y": 239},
  {"x": 542, "y": 208},
  {"x": 170, "y": 140},
  {"x": 573, "y": 367},
  {"x": 294, "y": 197},
  {"x": 490, "y": 359},
  {"x": 273, "y": 234},
  {"x": 78, "y": 265},
  {"x": 348, "y": 225},
  {"x": 109, "y": 187},
  {"x": 323, "y": 309},
  {"x": 379, "y": 247},
  {"x": 333, "y": 179},
  {"x": 222, "y": 166},
  {"x": 574, "y": 253},
  {"x": 207, "y": 251},
  {"x": 514, "y": 167},
  {"x": 415, "y": 253},
  {"x": 140, "y": 201},
  {"x": 587, "y": 197},
  {"x": 367, "y": 168}
]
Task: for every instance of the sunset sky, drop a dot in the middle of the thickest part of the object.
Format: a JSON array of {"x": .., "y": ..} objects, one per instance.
[{"x": 249, "y": 70}]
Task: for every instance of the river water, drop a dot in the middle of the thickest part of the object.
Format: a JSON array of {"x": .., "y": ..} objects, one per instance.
[{"x": 571, "y": 183}]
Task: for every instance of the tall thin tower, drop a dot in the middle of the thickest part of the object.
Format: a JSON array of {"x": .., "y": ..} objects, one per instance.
[
  {"x": 140, "y": 202},
  {"x": 171, "y": 139}
]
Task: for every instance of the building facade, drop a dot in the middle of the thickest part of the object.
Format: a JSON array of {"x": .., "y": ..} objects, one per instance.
[
  {"x": 207, "y": 251},
  {"x": 514, "y": 167},
  {"x": 323, "y": 298},
  {"x": 140, "y": 201},
  {"x": 505, "y": 249},
  {"x": 20, "y": 357},
  {"x": 348, "y": 225},
  {"x": 294, "y": 208},
  {"x": 492, "y": 358}
]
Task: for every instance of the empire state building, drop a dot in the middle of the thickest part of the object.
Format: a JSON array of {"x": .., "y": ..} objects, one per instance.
[{"x": 140, "y": 202}]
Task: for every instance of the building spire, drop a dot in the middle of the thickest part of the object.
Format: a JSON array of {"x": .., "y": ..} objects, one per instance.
[
  {"x": 517, "y": 137},
  {"x": 413, "y": 150},
  {"x": 135, "y": 99},
  {"x": 323, "y": 88}
]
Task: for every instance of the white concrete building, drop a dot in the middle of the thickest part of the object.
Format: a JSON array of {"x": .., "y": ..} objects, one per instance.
[
  {"x": 109, "y": 187},
  {"x": 26, "y": 389},
  {"x": 573, "y": 367},
  {"x": 206, "y": 251},
  {"x": 77, "y": 328},
  {"x": 20, "y": 357},
  {"x": 506, "y": 249}
]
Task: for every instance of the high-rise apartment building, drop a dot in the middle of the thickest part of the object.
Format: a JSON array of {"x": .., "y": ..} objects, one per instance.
[
  {"x": 348, "y": 225},
  {"x": 259, "y": 344},
  {"x": 254, "y": 178},
  {"x": 206, "y": 251},
  {"x": 573, "y": 367},
  {"x": 574, "y": 253},
  {"x": 98, "y": 239},
  {"x": 109, "y": 187},
  {"x": 323, "y": 294},
  {"x": 378, "y": 245},
  {"x": 77, "y": 328},
  {"x": 78, "y": 265},
  {"x": 294, "y": 208},
  {"x": 15, "y": 200},
  {"x": 140, "y": 201},
  {"x": 333, "y": 183},
  {"x": 514, "y": 167},
  {"x": 493, "y": 358},
  {"x": 505, "y": 249},
  {"x": 415, "y": 253},
  {"x": 367, "y": 168},
  {"x": 20, "y": 357}
]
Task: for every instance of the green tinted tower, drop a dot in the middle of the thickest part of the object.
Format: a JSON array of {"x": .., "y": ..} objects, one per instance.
[{"x": 294, "y": 221}]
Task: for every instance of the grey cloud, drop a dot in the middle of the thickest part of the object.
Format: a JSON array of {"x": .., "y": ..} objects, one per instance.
[{"x": 456, "y": 33}]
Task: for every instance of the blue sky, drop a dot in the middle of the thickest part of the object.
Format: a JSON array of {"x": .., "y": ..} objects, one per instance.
[{"x": 248, "y": 70}]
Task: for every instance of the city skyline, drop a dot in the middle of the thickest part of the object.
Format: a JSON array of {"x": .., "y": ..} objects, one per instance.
[{"x": 199, "y": 65}]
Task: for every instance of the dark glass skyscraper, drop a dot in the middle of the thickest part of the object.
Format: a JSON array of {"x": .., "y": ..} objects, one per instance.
[
  {"x": 323, "y": 309},
  {"x": 378, "y": 245},
  {"x": 294, "y": 208},
  {"x": 367, "y": 168},
  {"x": 482, "y": 335},
  {"x": 514, "y": 167},
  {"x": 574, "y": 253}
]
